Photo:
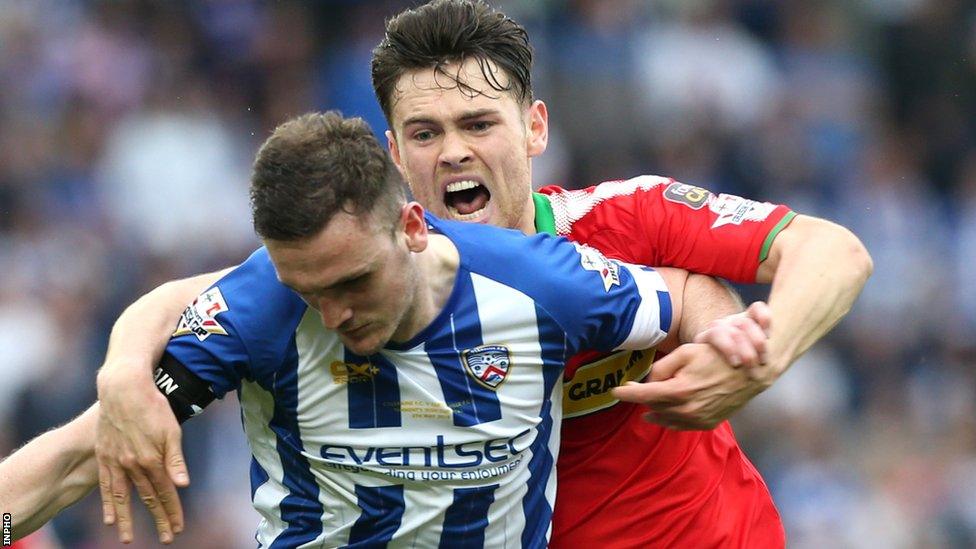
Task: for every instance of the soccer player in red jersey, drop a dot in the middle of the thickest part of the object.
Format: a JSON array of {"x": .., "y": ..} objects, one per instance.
[
  {"x": 453, "y": 79},
  {"x": 619, "y": 475}
]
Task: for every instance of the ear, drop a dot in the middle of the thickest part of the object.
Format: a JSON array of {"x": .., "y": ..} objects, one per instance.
[
  {"x": 414, "y": 226},
  {"x": 538, "y": 130}
]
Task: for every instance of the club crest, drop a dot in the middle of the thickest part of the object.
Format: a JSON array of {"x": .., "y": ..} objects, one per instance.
[{"x": 489, "y": 364}]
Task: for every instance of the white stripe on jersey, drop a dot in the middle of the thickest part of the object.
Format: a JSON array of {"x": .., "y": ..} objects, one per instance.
[
  {"x": 318, "y": 349},
  {"x": 423, "y": 521},
  {"x": 496, "y": 304},
  {"x": 257, "y": 407}
]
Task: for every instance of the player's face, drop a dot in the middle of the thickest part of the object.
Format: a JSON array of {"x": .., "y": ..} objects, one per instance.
[
  {"x": 357, "y": 273},
  {"x": 465, "y": 152}
]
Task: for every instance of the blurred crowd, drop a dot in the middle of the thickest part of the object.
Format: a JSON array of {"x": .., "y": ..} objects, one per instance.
[{"x": 127, "y": 131}]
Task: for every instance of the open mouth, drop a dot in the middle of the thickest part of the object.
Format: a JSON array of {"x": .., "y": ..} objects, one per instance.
[{"x": 466, "y": 199}]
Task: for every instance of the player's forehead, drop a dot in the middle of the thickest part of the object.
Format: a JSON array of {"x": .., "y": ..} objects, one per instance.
[
  {"x": 451, "y": 91},
  {"x": 347, "y": 247}
]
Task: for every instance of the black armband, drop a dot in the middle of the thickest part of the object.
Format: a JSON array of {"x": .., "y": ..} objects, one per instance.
[{"x": 188, "y": 395}]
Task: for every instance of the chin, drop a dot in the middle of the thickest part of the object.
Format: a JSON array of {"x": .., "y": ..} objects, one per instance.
[
  {"x": 362, "y": 347},
  {"x": 365, "y": 351}
]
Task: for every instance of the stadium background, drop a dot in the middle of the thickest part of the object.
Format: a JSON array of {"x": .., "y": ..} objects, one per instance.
[{"x": 127, "y": 129}]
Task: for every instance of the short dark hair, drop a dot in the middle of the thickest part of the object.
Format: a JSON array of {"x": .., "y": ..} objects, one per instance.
[
  {"x": 452, "y": 31},
  {"x": 316, "y": 165}
]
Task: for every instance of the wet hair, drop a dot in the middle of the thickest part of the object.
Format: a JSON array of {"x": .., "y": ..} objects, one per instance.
[
  {"x": 442, "y": 32},
  {"x": 316, "y": 165}
]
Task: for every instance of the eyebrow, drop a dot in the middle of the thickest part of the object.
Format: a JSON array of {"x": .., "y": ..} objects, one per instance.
[
  {"x": 349, "y": 278},
  {"x": 343, "y": 280},
  {"x": 469, "y": 115}
]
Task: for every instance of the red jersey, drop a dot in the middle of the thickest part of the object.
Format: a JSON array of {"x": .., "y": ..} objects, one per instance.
[{"x": 623, "y": 482}]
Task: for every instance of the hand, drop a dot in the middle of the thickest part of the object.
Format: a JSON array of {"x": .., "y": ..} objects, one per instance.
[
  {"x": 699, "y": 385},
  {"x": 692, "y": 388},
  {"x": 742, "y": 339},
  {"x": 138, "y": 439}
]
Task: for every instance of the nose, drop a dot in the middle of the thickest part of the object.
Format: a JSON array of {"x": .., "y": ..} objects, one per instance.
[
  {"x": 333, "y": 313},
  {"x": 454, "y": 151}
]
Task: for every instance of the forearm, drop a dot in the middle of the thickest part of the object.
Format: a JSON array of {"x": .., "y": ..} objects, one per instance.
[
  {"x": 49, "y": 473},
  {"x": 819, "y": 270},
  {"x": 145, "y": 326},
  {"x": 705, "y": 299}
]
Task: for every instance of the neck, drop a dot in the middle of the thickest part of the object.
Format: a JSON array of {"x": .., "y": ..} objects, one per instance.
[
  {"x": 436, "y": 269},
  {"x": 527, "y": 222}
]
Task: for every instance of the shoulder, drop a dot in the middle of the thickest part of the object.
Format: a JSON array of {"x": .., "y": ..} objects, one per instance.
[
  {"x": 250, "y": 299},
  {"x": 609, "y": 188},
  {"x": 506, "y": 255},
  {"x": 254, "y": 286},
  {"x": 625, "y": 196},
  {"x": 542, "y": 266}
]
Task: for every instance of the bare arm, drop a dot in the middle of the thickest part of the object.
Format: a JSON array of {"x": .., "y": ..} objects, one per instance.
[
  {"x": 702, "y": 300},
  {"x": 49, "y": 473},
  {"x": 696, "y": 386},
  {"x": 706, "y": 298},
  {"x": 138, "y": 437},
  {"x": 140, "y": 334},
  {"x": 817, "y": 269}
]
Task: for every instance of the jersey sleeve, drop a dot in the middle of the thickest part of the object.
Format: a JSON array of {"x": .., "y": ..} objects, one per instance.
[
  {"x": 602, "y": 304},
  {"x": 239, "y": 329},
  {"x": 598, "y": 303},
  {"x": 658, "y": 221}
]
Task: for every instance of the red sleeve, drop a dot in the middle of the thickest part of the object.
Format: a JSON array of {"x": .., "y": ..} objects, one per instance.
[{"x": 660, "y": 222}]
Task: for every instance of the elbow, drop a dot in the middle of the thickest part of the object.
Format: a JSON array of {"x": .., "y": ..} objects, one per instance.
[
  {"x": 835, "y": 248},
  {"x": 857, "y": 257}
]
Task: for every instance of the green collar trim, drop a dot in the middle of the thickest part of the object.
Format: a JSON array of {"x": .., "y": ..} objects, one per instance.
[{"x": 545, "y": 221}]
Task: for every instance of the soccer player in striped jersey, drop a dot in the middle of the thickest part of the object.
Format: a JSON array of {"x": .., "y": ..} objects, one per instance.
[
  {"x": 453, "y": 78},
  {"x": 398, "y": 374}
]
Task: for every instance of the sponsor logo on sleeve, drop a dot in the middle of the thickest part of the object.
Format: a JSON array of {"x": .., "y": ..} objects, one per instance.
[
  {"x": 689, "y": 195},
  {"x": 734, "y": 210},
  {"x": 489, "y": 364},
  {"x": 200, "y": 319},
  {"x": 593, "y": 260}
]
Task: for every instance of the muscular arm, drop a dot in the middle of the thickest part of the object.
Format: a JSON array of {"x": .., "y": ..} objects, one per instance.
[
  {"x": 49, "y": 473},
  {"x": 706, "y": 299},
  {"x": 697, "y": 301},
  {"x": 696, "y": 386},
  {"x": 136, "y": 429},
  {"x": 817, "y": 270},
  {"x": 141, "y": 332},
  {"x": 59, "y": 467}
]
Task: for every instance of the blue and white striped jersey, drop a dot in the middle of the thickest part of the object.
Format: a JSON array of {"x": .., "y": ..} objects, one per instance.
[{"x": 447, "y": 440}]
